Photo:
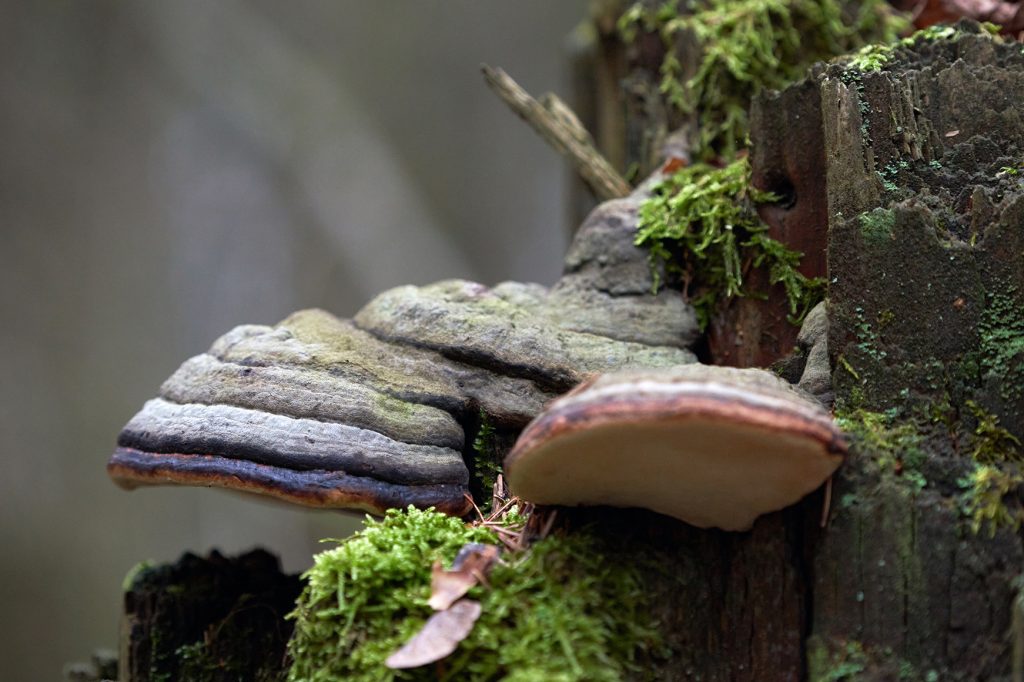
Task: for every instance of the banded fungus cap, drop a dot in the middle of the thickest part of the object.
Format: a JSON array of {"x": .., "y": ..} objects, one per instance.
[
  {"x": 297, "y": 460},
  {"x": 711, "y": 446}
]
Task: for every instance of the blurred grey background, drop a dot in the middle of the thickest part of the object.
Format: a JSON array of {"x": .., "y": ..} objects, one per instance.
[{"x": 171, "y": 169}]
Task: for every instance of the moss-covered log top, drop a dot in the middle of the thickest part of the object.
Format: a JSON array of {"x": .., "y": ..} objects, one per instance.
[
  {"x": 926, "y": 247},
  {"x": 382, "y": 411}
]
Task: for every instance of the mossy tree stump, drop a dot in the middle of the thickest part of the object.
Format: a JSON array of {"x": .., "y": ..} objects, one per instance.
[{"x": 911, "y": 171}]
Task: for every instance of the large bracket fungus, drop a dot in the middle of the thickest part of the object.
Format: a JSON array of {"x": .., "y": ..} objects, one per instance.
[
  {"x": 712, "y": 446},
  {"x": 373, "y": 413}
]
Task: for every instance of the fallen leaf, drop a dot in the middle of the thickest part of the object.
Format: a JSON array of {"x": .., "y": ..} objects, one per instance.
[
  {"x": 952, "y": 133},
  {"x": 470, "y": 567},
  {"x": 439, "y": 636},
  {"x": 673, "y": 164}
]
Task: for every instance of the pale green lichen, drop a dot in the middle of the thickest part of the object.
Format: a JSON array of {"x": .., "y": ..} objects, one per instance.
[
  {"x": 701, "y": 226},
  {"x": 568, "y": 608},
  {"x": 747, "y": 45}
]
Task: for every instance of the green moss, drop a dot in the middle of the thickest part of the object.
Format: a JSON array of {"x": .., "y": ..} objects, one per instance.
[
  {"x": 992, "y": 443},
  {"x": 133, "y": 574},
  {"x": 984, "y": 499},
  {"x": 894, "y": 445},
  {"x": 873, "y": 57},
  {"x": 931, "y": 34},
  {"x": 1002, "y": 341},
  {"x": 747, "y": 45},
  {"x": 870, "y": 58},
  {"x": 485, "y": 461},
  {"x": 568, "y": 608},
  {"x": 844, "y": 663},
  {"x": 876, "y": 226},
  {"x": 850, "y": 661},
  {"x": 700, "y": 224}
]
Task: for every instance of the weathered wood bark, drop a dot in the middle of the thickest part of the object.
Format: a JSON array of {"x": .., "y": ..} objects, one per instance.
[
  {"x": 926, "y": 260},
  {"x": 925, "y": 318}
]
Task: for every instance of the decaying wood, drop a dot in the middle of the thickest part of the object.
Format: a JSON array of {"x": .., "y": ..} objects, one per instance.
[{"x": 560, "y": 128}]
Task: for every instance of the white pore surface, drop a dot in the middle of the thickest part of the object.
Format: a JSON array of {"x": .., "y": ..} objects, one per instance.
[{"x": 705, "y": 473}]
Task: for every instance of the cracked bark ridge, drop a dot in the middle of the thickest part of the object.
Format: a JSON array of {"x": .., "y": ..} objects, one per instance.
[
  {"x": 380, "y": 411},
  {"x": 926, "y": 267}
]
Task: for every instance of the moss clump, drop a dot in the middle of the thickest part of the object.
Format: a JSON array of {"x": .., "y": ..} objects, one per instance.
[
  {"x": 870, "y": 58},
  {"x": 894, "y": 445},
  {"x": 984, "y": 498},
  {"x": 877, "y": 225},
  {"x": 485, "y": 460},
  {"x": 751, "y": 44},
  {"x": 566, "y": 609},
  {"x": 873, "y": 57},
  {"x": 846, "y": 662},
  {"x": 700, "y": 223},
  {"x": 992, "y": 443}
]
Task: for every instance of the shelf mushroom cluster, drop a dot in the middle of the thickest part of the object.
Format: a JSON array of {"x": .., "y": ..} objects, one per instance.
[{"x": 369, "y": 414}]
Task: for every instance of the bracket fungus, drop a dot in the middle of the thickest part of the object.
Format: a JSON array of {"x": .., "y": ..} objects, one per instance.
[
  {"x": 372, "y": 413},
  {"x": 712, "y": 446}
]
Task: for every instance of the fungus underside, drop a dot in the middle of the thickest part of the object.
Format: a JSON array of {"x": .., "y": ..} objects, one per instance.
[
  {"x": 701, "y": 225},
  {"x": 567, "y": 608}
]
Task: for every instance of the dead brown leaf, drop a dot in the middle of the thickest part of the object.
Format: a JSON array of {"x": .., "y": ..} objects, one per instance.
[
  {"x": 439, "y": 636},
  {"x": 470, "y": 568}
]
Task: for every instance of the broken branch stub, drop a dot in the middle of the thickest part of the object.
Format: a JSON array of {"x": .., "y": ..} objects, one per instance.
[{"x": 554, "y": 121}]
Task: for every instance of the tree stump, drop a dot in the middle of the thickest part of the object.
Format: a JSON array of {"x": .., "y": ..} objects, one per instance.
[
  {"x": 911, "y": 166},
  {"x": 212, "y": 618}
]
